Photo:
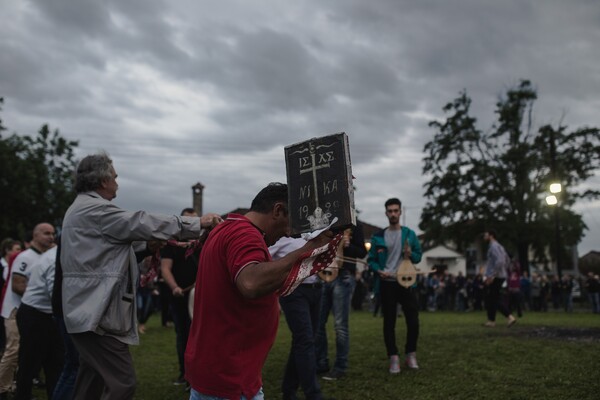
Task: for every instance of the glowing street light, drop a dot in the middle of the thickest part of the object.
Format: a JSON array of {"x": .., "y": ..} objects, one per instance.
[
  {"x": 552, "y": 200},
  {"x": 555, "y": 188}
]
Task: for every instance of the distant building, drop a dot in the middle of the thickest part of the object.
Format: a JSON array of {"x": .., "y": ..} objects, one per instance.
[
  {"x": 369, "y": 230},
  {"x": 443, "y": 259},
  {"x": 590, "y": 262},
  {"x": 591, "y": 257}
]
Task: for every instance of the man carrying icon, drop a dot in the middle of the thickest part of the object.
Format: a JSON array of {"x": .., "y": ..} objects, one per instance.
[{"x": 236, "y": 307}]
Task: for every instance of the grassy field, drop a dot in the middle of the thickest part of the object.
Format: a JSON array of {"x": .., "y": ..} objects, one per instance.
[{"x": 544, "y": 356}]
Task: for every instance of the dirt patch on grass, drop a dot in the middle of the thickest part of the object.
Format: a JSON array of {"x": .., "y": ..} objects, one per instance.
[{"x": 569, "y": 334}]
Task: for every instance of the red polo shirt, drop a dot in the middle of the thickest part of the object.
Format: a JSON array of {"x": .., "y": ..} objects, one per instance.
[{"x": 230, "y": 336}]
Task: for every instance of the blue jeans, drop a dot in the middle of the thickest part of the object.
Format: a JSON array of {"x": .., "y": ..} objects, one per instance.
[
  {"x": 568, "y": 302},
  {"x": 595, "y": 302},
  {"x": 66, "y": 382},
  {"x": 301, "y": 310},
  {"x": 144, "y": 304},
  {"x": 336, "y": 298},
  {"x": 194, "y": 395}
]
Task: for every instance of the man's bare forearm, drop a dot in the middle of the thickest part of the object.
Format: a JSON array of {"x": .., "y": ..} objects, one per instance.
[{"x": 260, "y": 279}]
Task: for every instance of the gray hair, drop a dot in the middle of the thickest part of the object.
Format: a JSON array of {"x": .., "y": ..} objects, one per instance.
[{"x": 92, "y": 171}]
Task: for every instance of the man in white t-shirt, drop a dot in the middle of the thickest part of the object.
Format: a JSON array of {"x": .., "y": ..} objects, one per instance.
[
  {"x": 43, "y": 239},
  {"x": 41, "y": 343}
]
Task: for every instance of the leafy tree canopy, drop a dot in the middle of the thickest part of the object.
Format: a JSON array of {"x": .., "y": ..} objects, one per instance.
[
  {"x": 500, "y": 178},
  {"x": 36, "y": 179}
]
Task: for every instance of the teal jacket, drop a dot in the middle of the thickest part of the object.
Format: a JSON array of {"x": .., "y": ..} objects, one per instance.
[{"x": 378, "y": 253}]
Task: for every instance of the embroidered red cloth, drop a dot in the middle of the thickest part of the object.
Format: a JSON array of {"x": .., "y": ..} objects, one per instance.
[{"x": 309, "y": 264}]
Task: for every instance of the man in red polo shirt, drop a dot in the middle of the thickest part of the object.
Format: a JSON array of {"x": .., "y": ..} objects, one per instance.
[{"x": 236, "y": 310}]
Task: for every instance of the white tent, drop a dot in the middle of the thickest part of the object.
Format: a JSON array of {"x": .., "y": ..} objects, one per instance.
[{"x": 442, "y": 256}]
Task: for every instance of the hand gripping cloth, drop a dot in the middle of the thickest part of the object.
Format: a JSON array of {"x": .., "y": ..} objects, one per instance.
[{"x": 309, "y": 263}]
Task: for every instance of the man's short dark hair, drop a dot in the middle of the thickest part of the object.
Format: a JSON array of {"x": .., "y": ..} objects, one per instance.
[
  {"x": 92, "y": 171},
  {"x": 393, "y": 201},
  {"x": 264, "y": 201},
  {"x": 187, "y": 210},
  {"x": 492, "y": 233}
]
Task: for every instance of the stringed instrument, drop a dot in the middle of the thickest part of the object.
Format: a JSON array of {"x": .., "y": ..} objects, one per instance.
[
  {"x": 330, "y": 273},
  {"x": 407, "y": 272}
]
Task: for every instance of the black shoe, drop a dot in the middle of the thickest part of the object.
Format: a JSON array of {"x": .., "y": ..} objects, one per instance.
[
  {"x": 321, "y": 371},
  {"x": 179, "y": 381},
  {"x": 333, "y": 375}
]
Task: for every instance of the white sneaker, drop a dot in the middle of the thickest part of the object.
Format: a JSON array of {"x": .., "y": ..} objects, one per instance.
[
  {"x": 394, "y": 364},
  {"x": 411, "y": 360},
  {"x": 511, "y": 321}
]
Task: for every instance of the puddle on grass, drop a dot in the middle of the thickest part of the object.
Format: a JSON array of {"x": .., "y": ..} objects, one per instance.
[{"x": 569, "y": 334}]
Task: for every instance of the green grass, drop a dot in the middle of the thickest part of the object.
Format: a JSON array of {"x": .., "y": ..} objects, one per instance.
[{"x": 459, "y": 359}]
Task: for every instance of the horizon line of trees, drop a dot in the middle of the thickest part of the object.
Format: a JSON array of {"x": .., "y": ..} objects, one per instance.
[
  {"x": 36, "y": 179},
  {"x": 476, "y": 179}
]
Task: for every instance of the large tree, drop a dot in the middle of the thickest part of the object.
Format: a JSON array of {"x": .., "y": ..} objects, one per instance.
[
  {"x": 500, "y": 177},
  {"x": 36, "y": 179}
]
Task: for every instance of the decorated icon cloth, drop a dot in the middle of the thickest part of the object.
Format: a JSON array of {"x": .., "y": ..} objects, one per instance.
[{"x": 309, "y": 264}]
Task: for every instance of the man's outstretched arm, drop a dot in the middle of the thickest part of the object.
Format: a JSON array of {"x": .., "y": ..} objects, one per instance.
[{"x": 259, "y": 279}]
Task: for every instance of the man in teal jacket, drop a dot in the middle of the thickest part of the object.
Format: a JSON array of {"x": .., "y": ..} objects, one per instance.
[{"x": 388, "y": 248}]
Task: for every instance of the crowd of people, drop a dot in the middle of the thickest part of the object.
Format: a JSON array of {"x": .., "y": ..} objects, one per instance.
[
  {"x": 72, "y": 305},
  {"x": 450, "y": 292}
]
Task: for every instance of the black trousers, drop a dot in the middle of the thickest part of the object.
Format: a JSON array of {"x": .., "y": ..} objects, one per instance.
[
  {"x": 493, "y": 302},
  {"x": 40, "y": 344},
  {"x": 182, "y": 322},
  {"x": 105, "y": 368},
  {"x": 392, "y": 294},
  {"x": 514, "y": 302}
]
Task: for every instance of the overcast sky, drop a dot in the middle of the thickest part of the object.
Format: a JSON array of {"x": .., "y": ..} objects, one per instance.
[{"x": 184, "y": 91}]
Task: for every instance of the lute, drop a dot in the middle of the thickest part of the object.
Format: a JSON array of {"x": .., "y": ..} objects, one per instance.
[
  {"x": 330, "y": 273},
  {"x": 407, "y": 272}
]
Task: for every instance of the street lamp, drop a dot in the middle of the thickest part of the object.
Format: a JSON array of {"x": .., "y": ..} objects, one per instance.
[
  {"x": 555, "y": 188},
  {"x": 552, "y": 200}
]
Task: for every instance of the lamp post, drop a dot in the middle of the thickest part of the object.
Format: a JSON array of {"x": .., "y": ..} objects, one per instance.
[{"x": 552, "y": 200}]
